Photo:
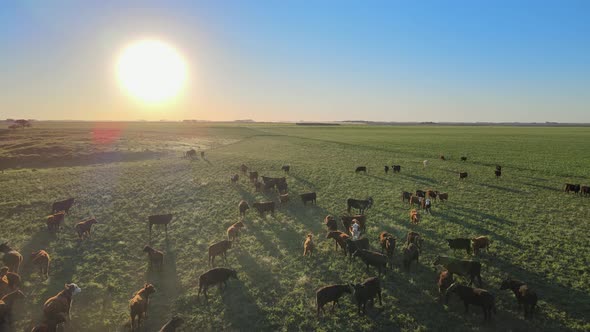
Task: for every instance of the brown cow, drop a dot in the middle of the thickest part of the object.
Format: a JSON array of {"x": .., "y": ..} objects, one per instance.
[
  {"x": 138, "y": 305},
  {"x": 12, "y": 258},
  {"x": 234, "y": 178},
  {"x": 155, "y": 258},
  {"x": 41, "y": 259},
  {"x": 339, "y": 239},
  {"x": 387, "y": 244},
  {"x": 480, "y": 242},
  {"x": 415, "y": 200},
  {"x": 414, "y": 238},
  {"x": 443, "y": 196},
  {"x": 50, "y": 325},
  {"x": 330, "y": 223},
  {"x": 9, "y": 281},
  {"x": 308, "y": 246},
  {"x": 442, "y": 157},
  {"x": 445, "y": 279},
  {"x": 54, "y": 221},
  {"x": 414, "y": 216},
  {"x": 234, "y": 231},
  {"x": 218, "y": 249},
  {"x": 431, "y": 194},
  {"x": 84, "y": 227},
  {"x": 59, "y": 306}
]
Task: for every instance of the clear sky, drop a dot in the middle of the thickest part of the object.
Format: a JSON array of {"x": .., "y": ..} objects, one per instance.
[{"x": 304, "y": 60}]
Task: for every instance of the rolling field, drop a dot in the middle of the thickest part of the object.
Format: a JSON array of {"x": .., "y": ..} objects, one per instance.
[{"x": 121, "y": 173}]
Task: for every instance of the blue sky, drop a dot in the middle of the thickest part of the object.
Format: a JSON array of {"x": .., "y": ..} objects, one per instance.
[{"x": 305, "y": 60}]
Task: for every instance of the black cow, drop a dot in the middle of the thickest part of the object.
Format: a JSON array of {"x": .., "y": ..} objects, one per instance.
[
  {"x": 460, "y": 243},
  {"x": 215, "y": 276},
  {"x": 286, "y": 168},
  {"x": 396, "y": 168},
  {"x": 353, "y": 245},
  {"x": 331, "y": 293},
  {"x": 372, "y": 258},
  {"x": 585, "y": 190},
  {"x": 263, "y": 207},
  {"x": 361, "y": 169},
  {"x": 498, "y": 168},
  {"x": 475, "y": 296},
  {"x": 463, "y": 158},
  {"x": 420, "y": 193},
  {"x": 365, "y": 292},
  {"x": 462, "y": 175},
  {"x": 498, "y": 173},
  {"x": 361, "y": 205},
  {"x": 64, "y": 205},
  {"x": 524, "y": 295},
  {"x": 471, "y": 269},
  {"x": 386, "y": 168},
  {"x": 253, "y": 176},
  {"x": 308, "y": 197},
  {"x": 159, "y": 219},
  {"x": 572, "y": 187}
]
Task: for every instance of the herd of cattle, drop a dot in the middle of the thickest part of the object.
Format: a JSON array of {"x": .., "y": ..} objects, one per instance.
[
  {"x": 56, "y": 310},
  {"x": 352, "y": 246}
]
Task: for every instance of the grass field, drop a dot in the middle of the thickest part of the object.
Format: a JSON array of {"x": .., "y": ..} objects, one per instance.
[{"x": 121, "y": 173}]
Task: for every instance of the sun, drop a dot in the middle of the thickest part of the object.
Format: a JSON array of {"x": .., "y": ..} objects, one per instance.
[{"x": 151, "y": 71}]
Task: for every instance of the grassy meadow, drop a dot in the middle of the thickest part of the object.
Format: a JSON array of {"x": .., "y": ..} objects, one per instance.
[{"x": 122, "y": 172}]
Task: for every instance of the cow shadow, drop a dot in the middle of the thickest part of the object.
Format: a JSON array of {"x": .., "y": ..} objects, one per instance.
[
  {"x": 420, "y": 179},
  {"x": 241, "y": 309},
  {"x": 307, "y": 184},
  {"x": 476, "y": 230},
  {"x": 381, "y": 178},
  {"x": 510, "y": 190},
  {"x": 549, "y": 291},
  {"x": 167, "y": 283},
  {"x": 554, "y": 189}
]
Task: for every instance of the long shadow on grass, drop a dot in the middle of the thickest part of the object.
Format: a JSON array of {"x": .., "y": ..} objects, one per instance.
[
  {"x": 421, "y": 179},
  {"x": 476, "y": 230},
  {"x": 575, "y": 303},
  {"x": 241, "y": 309},
  {"x": 510, "y": 190},
  {"x": 167, "y": 289},
  {"x": 540, "y": 186},
  {"x": 308, "y": 185}
]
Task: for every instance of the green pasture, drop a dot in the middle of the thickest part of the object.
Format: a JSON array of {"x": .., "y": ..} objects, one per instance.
[{"x": 122, "y": 172}]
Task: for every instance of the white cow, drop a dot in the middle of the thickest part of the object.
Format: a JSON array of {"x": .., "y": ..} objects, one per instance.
[{"x": 425, "y": 163}]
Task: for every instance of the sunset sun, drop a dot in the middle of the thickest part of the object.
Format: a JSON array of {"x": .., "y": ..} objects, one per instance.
[{"x": 151, "y": 71}]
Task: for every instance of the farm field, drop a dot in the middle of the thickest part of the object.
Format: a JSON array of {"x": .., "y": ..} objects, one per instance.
[{"x": 122, "y": 172}]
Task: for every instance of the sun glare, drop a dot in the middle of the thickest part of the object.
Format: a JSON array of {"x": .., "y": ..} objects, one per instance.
[{"x": 151, "y": 71}]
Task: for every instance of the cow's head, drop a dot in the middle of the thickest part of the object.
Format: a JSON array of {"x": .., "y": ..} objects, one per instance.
[
  {"x": 149, "y": 288},
  {"x": 73, "y": 288}
]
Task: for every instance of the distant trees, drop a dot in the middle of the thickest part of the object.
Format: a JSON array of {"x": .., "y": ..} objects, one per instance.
[{"x": 20, "y": 123}]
